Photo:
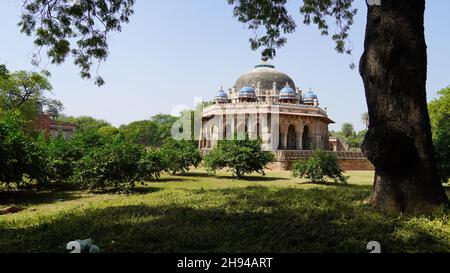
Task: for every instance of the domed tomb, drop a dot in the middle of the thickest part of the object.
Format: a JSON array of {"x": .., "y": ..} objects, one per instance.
[
  {"x": 265, "y": 104},
  {"x": 265, "y": 75}
]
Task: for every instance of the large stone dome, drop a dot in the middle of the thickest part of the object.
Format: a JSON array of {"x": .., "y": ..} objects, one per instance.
[{"x": 266, "y": 75}]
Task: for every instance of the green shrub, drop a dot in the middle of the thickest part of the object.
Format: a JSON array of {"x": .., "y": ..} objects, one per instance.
[
  {"x": 180, "y": 155},
  {"x": 62, "y": 156},
  {"x": 318, "y": 167},
  {"x": 90, "y": 159},
  {"x": 21, "y": 155},
  {"x": 114, "y": 165},
  {"x": 152, "y": 164},
  {"x": 240, "y": 156}
]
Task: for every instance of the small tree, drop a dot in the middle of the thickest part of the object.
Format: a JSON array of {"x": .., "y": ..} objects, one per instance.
[
  {"x": 180, "y": 155},
  {"x": 347, "y": 130},
  {"x": 240, "y": 156},
  {"x": 62, "y": 156},
  {"x": 318, "y": 167},
  {"x": 21, "y": 155},
  {"x": 151, "y": 165},
  {"x": 440, "y": 124},
  {"x": 115, "y": 165}
]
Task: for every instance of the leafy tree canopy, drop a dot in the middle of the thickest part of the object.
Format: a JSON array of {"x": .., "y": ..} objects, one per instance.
[
  {"x": 180, "y": 155},
  {"x": 320, "y": 166},
  {"x": 240, "y": 156},
  {"x": 272, "y": 19},
  {"x": 85, "y": 123},
  {"x": 164, "y": 119},
  {"x": 79, "y": 28},
  {"x": 153, "y": 132},
  {"x": 25, "y": 92},
  {"x": 347, "y": 129},
  {"x": 20, "y": 154},
  {"x": 348, "y": 135},
  {"x": 440, "y": 124}
]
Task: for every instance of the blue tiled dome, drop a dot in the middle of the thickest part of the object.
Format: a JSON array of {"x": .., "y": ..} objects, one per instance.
[
  {"x": 309, "y": 96},
  {"x": 247, "y": 92},
  {"x": 221, "y": 96},
  {"x": 287, "y": 92}
]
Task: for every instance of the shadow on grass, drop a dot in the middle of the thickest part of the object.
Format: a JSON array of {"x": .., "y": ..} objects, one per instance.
[
  {"x": 168, "y": 179},
  {"x": 252, "y": 219},
  {"x": 195, "y": 174},
  {"x": 334, "y": 184},
  {"x": 252, "y": 178},
  {"x": 29, "y": 197},
  {"x": 139, "y": 189},
  {"x": 261, "y": 178}
]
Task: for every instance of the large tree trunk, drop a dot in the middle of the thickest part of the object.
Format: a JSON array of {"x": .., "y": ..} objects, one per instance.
[{"x": 398, "y": 143}]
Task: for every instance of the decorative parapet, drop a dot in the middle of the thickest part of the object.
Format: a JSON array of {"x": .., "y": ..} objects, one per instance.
[
  {"x": 281, "y": 106},
  {"x": 295, "y": 155},
  {"x": 271, "y": 103},
  {"x": 347, "y": 160},
  {"x": 298, "y": 154}
]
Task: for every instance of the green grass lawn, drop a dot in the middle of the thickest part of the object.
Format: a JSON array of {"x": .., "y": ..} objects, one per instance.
[{"x": 201, "y": 213}]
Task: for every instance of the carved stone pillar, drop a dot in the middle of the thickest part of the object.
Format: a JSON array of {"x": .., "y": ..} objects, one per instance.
[
  {"x": 299, "y": 142},
  {"x": 283, "y": 141}
]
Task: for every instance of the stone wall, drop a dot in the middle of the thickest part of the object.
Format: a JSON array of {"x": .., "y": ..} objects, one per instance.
[
  {"x": 349, "y": 161},
  {"x": 360, "y": 164}
]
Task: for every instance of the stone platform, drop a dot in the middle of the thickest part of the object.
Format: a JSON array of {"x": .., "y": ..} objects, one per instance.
[{"x": 349, "y": 161}]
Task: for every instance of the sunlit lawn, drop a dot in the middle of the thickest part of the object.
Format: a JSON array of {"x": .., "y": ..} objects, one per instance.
[{"x": 201, "y": 213}]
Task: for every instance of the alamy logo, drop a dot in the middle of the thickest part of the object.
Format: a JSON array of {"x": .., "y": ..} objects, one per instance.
[{"x": 373, "y": 2}]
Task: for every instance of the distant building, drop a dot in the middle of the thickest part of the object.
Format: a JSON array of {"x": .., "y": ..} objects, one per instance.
[
  {"x": 337, "y": 145},
  {"x": 265, "y": 103},
  {"x": 47, "y": 122}
]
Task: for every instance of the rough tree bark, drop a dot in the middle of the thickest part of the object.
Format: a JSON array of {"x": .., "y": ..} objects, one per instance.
[{"x": 398, "y": 143}]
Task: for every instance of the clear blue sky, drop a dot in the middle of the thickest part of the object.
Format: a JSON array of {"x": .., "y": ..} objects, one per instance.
[{"x": 173, "y": 51}]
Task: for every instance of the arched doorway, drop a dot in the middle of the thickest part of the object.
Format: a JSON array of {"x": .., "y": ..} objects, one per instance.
[
  {"x": 306, "y": 139},
  {"x": 291, "y": 138}
]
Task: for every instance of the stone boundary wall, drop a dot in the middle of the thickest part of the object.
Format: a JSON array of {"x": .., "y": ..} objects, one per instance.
[{"x": 349, "y": 161}]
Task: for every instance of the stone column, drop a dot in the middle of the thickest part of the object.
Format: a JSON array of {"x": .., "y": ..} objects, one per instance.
[
  {"x": 283, "y": 141},
  {"x": 200, "y": 140},
  {"x": 252, "y": 125},
  {"x": 319, "y": 143},
  {"x": 264, "y": 131},
  {"x": 233, "y": 136},
  {"x": 300, "y": 142}
]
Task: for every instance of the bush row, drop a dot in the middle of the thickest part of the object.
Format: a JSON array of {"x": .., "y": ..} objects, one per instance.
[
  {"x": 92, "y": 160},
  {"x": 88, "y": 160}
]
